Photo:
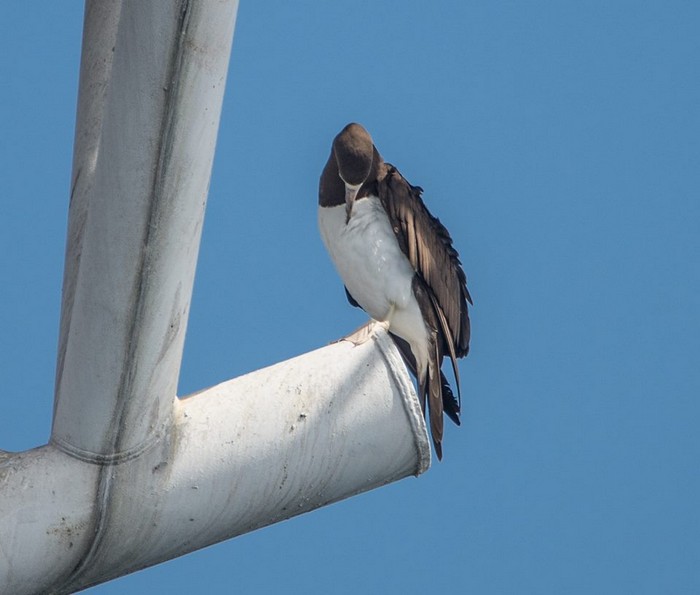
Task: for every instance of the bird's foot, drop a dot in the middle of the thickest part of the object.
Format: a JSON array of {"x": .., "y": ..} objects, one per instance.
[{"x": 363, "y": 334}]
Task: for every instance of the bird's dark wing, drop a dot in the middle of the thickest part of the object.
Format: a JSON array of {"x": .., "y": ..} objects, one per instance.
[{"x": 428, "y": 246}]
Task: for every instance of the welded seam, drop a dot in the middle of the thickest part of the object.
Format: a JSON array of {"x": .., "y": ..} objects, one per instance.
[
  {"x": 115, "y": 458},
  {"x": 105, "y": 481}
]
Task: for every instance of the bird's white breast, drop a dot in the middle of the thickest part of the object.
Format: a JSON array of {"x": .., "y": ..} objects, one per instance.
[{"x": 367, "y": 256}]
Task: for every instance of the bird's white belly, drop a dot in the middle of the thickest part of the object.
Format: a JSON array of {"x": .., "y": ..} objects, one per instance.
[{"x": 368, "y": 257}]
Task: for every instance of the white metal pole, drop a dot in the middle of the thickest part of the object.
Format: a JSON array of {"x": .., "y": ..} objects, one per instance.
[
  {"x": 132, "y": 476},
  {"x": 152, "y": 82}
]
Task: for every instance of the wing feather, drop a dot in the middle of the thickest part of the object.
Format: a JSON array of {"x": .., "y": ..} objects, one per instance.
[{"x": 428, "y": 246}]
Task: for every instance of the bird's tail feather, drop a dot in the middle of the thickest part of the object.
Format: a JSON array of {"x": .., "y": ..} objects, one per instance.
[
  {"x": 434, "y": 382},
  {"x": 450, "y": 404}
]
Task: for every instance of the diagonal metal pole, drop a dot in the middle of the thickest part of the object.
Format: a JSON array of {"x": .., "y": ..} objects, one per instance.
[
  {"x": 132, "y": 476},
  {"x": 148, "y": 114}
]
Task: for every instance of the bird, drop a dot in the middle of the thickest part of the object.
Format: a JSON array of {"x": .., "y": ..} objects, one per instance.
[{"x": 398, "y": 263}]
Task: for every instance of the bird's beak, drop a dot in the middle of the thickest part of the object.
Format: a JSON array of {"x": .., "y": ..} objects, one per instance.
[{"x": 350, "y": 194}]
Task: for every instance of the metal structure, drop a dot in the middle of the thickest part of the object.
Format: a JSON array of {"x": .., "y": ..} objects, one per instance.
[{"x": 132, "y": 475}]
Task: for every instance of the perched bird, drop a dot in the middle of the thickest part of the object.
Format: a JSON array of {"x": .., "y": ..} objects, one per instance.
[{"x": 398, "y": 264}]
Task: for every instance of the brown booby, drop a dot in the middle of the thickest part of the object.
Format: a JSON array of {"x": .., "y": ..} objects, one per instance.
[{"x": 398, "y": 264}]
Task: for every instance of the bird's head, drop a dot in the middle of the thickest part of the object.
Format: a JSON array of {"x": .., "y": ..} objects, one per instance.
[{"x": 354, "y": 152}]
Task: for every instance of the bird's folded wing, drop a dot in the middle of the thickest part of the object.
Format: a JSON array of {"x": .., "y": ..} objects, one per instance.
[{"x": 428, "y": 246}]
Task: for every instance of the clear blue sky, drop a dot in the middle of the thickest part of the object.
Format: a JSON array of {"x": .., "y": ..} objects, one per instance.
[{"x": 560, "y": 144}]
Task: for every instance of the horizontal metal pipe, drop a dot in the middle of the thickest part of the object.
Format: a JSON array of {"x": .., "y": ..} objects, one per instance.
[{"x": 247, "y": 453}]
